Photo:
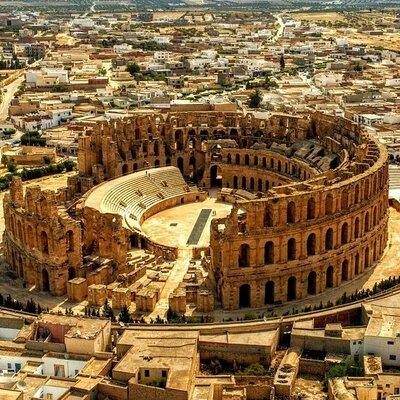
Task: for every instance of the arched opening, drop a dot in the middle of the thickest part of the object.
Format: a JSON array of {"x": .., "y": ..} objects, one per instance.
[
  {"x": 260, "y": 185},
  {"x": 311, "y": 244},
  {"x": 246, "y": 160},
  {"x": 252, "y": 184},
  {"x": 45, "y": 281},
  {"x": 345, "y": 233},
  {"x": 269, "y": 253},
  {"x": 215, "y": 179},
  {"x": 229, "y": 158},
  {"x": 134, "y": 241},
  {"x": 356, "y": 194},
  {"x": 124, "y": 169},
  {"x": 328, "y": 204},
  {"x": 269, "y": 297},
  {"x": 244, "y": 255},
  {"x": 356, "y": 228},
  {"x": 180, "y": 164},
  {"x": 235, "y": 182},
  {"x": 344, "y": 200},
  {"x": 143, "y": 243},
  {"x": 168, "y": 161},
  {"x": 366, "y": 258},
  {"x": 71, "y": 273},
  {"x": 366, "y": 222},
  {"x": 268, "y": 217},
  {"x": 311, "y": 208},
  {"x": 264, "y": 162},
  {"x": 70, "y": 241},
  {"x": 345, "y": 270},
  {"x": 374, "y": 217},
  {"x": 366, "y": 190},
  {"x": 291, "y": 288},
  {"x": 312, "y": 283},
  {"x": 157, "y": 163},
  {"x": 291, "y": 249},
  {"x": 244, "y": 183},
  {"x": 357, "y": 264},
  {"x": 156, "y": 148},
  {"x": 237, "y": 159},
  {"x": 255, "y": 160},
  {"x": 244, "y": 296},
  {"x": 329, "y": 239},
  {"x": 329, "y": 277},
  {"x": 44, "y": 243},
  {"x": 30, "y": 236},
  {"x": 179, "y": 140},
  {"x": 291, "y": 213}
]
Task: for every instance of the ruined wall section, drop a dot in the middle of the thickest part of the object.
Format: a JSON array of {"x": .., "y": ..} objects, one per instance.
[{"x": 42, "y": 242}]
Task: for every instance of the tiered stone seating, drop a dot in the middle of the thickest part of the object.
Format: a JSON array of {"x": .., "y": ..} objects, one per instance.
[{"x": 132, "y": 195}]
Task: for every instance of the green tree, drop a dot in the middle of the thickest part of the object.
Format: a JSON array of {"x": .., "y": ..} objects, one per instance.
[
  {"x": 133, "y": 68},
  {"x": 47, "y": 160},
  {"x": 11, "y": 167},
  {"x": 124, "y": 315},
  {"x": 255, "y": 99}
]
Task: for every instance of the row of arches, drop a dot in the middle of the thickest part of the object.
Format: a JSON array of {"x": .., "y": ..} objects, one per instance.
[
  {"x": 311, "y": 245},
  {"x": 329, "y": 279},
  {"x": 253, "y": 184},
  {"x": 276, "y": 165},
  {"x": 272, "y": 217},
  {"x": 26, "y": 236}
]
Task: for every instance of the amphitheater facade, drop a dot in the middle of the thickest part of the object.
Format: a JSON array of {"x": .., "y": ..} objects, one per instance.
[{"x": 308, "y": 200}]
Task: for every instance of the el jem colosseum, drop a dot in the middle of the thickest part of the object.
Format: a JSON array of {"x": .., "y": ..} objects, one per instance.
[{"x": 208, "y": 209}]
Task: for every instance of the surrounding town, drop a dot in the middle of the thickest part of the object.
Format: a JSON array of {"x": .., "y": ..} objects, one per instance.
[{"x": 69, "y": 72}]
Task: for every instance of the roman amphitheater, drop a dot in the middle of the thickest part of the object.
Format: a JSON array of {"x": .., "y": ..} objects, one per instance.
[{"x": 205, "y": 210}]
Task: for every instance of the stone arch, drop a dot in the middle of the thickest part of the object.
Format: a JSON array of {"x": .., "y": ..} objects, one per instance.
[
  {"x": 329, "y": 239},
  {"x": 44, "y": 241},
  {"x": 357, "y": 194},
  {"x": 45, "y": 280},
  {"x": 252, "y": 185},
  {"x": 357, "y": 264},
  {"x": 179, "y": 162},
  {"x": 345, "y": 270},
  {"x": 329, "y": 204},
  {"x": 311, "y": 244},
  {"x": 311, "y": 208},
  {"x": 292, "y": 288},
  {"x": 312, "y": 283},
  {"x": 269, "y": 252},
  {"x": 344, "y": 200},
  {"x": 291, "y": 212},
  {"x": 344, "y": 235},
  {"x": 260, "y": 185},
  {"x": 374, "y": 216},
  {"x": 246, "y": 159},
  {"x": 244, "y": 296},
  {"x": 329, "y": 277},
  {"x": 124, "y": 169},
  {"x": 356, "y": 228},
  {"x": 244, "y": 255},
  {"x": 30, "y": 236},
  {"x": 237, "y": 159},
  {"x": 71, "y": 273},
  {"x": 269, "y": 296},
  {"x": 229, "y": 158},
  {"x": 235, "y": 182},
  {"x": 215, "y": 182},
  {"x": 366, "y": 222},
  {"x": 366, "y": 258},
  {"x": 244, "y": 183},
  {"x": 291, "y": 249},
  {"x": 366, "y": 189},
  {"x": 255, "y": 162}
]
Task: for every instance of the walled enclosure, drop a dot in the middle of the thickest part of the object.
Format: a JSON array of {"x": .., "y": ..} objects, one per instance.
[{"x": 318, "y": 216}]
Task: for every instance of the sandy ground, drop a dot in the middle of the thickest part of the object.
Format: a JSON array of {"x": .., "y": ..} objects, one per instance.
[
  {"x": 315, "y": 17},
  {"x": 161, "y": 227}
]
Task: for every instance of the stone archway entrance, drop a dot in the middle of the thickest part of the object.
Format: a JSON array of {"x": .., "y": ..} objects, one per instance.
[
  {"x": 244, "y": 296},
  {"x": 214, "y": 180},
  {"x": 291, "y": 289},
  {"x": 45, "y": 281}
]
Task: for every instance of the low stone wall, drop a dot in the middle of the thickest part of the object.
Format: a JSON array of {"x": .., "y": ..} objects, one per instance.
[{"x": 312, "y": 367}]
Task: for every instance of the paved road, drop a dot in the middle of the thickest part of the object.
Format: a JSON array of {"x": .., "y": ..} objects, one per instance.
[{"x": 8, "y": 96}]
